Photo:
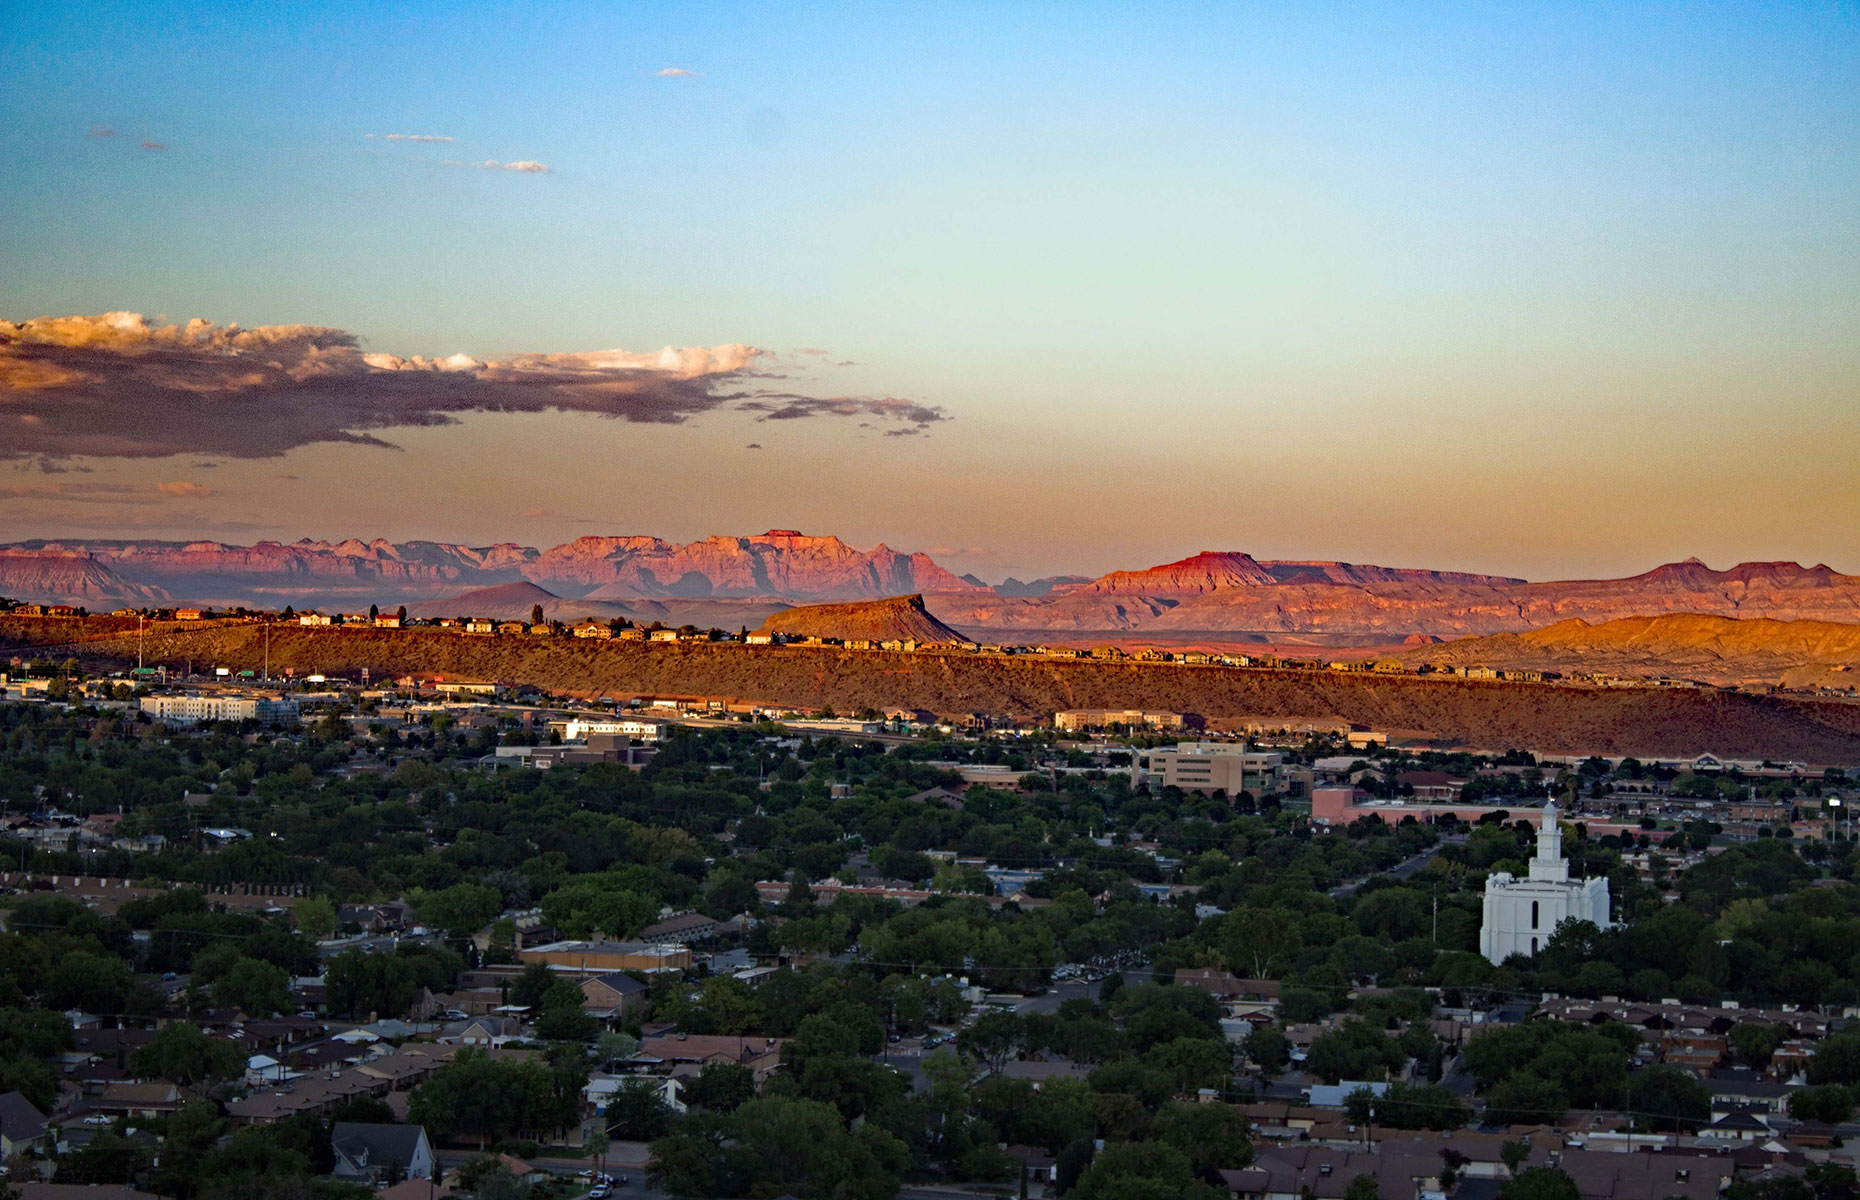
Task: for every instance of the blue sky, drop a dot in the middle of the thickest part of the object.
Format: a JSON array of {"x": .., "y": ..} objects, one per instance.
[{"x": 1375, "y": 282}]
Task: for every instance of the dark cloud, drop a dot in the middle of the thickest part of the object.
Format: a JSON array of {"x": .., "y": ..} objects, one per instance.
[
  {"x": 910, "y": 416},
  {"x": 116, "y": 386}
]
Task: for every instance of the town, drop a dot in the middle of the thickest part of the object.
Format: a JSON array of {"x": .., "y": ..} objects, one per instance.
[{"x": 419, "y": 933}]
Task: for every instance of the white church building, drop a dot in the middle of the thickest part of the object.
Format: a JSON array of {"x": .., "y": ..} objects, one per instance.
[{"x": 1521, "y": 914}]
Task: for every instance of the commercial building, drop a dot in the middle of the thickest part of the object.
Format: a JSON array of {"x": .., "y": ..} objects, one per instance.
[
  {"x": 194, "y": 708},
  {"x": 1521, "y": 914},
  {"x": 1213, "y": 767},
  {"x": 1076, "y": 719},
  {"x": 599, "y": 958}
]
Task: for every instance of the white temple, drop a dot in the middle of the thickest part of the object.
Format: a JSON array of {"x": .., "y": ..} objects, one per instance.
[{"x": 1521, "y": 914}]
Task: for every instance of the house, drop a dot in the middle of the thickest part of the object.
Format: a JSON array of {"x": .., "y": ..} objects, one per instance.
[
  {"x": 760, "y": 1054},
  {"x": 1221, "y": 985},
  {"x": 613, "y": 996},
  {"x": 152, "y": 1099},
  {"x": 81, "y": 1191},
  {"x": 491, "y": 1031},
  {"x": 372, "y": 1152},
  {"x": 680, "y": 929},
  {"x": 21, "y": 1124}
]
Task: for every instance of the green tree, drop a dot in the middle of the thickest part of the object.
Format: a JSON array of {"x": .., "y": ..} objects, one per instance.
[
  {"x": 1540, "y": 1183},
  {"x": 460, "y": 910},
  {"x": 315, "y": 917},
  {"x": 181, "y": 1053},
  {"x": 1214, "y": 1137},
  {"x": 721, "y": 1087},
  {"x": 1363, "y": 1187},
  {"x": 254, "y": 987},
  {"x": 1267, "y": 1048},
  {"x": 1142, "y": 1171},
  {"x": 1667, "y": 1099},
  {"x": 1830, "y": 1102}
]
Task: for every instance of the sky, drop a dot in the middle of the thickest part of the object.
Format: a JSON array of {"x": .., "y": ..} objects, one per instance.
[{"x": 1554, "y": 291}]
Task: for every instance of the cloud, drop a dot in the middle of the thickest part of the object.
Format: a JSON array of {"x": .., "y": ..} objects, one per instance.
[
  {"x": 154, "y": 146},
  {"x": 677, "y": 73},
  {"x": 182, "y": 487},
  {"x": 527, "y": 166},
  {"x": 78, "y": 493},
  {"x": 116, "y": 386},
  {"x": 414, "y": 137},
  {"x": 101, "y": 131},
  {"x": 911, "y": 416}
]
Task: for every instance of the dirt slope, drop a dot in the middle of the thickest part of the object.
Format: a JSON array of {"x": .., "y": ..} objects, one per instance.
[
  {"x": 896, "y": 618},
  {"x": 1647, "y": 722},
  {"x": 1690, "y": 645}
]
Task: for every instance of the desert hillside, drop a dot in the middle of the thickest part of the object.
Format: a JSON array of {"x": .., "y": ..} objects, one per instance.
[
  {"x": 896, "y": 618},
  {"x": 1643, "y": 721},
  {"x": 1689, "y": 645}
]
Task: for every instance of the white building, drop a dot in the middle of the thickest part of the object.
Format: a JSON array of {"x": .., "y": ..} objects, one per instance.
[
  {"x": 193, "y": 708},
  {"x": 1521, "y": 914},
  {"x": 645, "y": 729}
]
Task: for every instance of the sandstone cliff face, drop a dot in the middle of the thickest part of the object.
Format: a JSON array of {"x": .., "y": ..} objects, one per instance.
[
  {"x": 732, "y": 577},
  {"x": 68, "y": 577},
  {"x": 895, "y": 618},
  {"x": 304, "y": 571},
  {"x": 778, "y": 563},
  {"x": 1190, "y": 596}
]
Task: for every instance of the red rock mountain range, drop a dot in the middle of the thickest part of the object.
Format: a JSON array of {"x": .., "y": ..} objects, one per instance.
[{"x": 1209, "y": 592}]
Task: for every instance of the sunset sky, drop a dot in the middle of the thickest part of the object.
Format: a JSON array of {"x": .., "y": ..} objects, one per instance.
[{"x": 1557, "y": 292}]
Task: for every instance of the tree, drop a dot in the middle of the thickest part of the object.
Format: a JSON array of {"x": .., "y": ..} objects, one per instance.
[
  {"x": 638, "y": 1112},
  {"x": 1540, "y": 1183},
  {"x": 1142, "y": 1171},
  {"x": 777, "y": 1145},
  {"x": 1829, "y": 1102},
  {"x": 254, "y": 987},
  {"x": 992, "y": 1039},
  {"x": 1268, "y": 1050},
  {"x": 315, "y": 917},
  {"x": 1514, "y": 1155},
  {"x": 1756, "y": 1043},
  {"x": 613, "y": 1045},
  {"x": 1363, "y": 1187},
  {"x": 722, "y": 1087},
  {"x": 460, "y": 910},
  {"x": 1353, "y": 1050},
  {"x": 1409, "y": 1106},
  {"x": 1214, "y": 1137},
  {"x": 1836, "y": 1060},
  {"x": 536, "y": 614},
  {"x": 1526, "y": 1098},
  {"x": 180, "y": 1052},
  {"x": 1667, "y": 1099},
  {"x": 595, "y": 1142}
]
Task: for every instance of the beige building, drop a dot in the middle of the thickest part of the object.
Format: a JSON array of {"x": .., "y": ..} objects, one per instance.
[
  {"x": 1076, "y": 719},
  {"x": 1213, "y": 767}
]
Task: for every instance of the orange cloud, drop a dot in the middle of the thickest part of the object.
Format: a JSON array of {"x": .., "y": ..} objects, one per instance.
[{"x": 182, "y": 487}]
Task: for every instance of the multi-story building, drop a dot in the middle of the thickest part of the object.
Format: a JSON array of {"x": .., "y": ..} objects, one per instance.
[
  {"x": 1105, "y": 718},
  {"x": 194, "y": 708},
  {"x": 1522, "y": 914},
  {"x": 1213, "y": 767}
]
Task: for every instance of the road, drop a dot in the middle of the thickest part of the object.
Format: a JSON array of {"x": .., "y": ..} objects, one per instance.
[
  {"x": 635, "y": 1188},
  {"x": 1400, "y": 870}
]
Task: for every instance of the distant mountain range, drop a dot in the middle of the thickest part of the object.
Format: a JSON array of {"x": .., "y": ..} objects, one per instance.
[{"x": 731, "y": 580}]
